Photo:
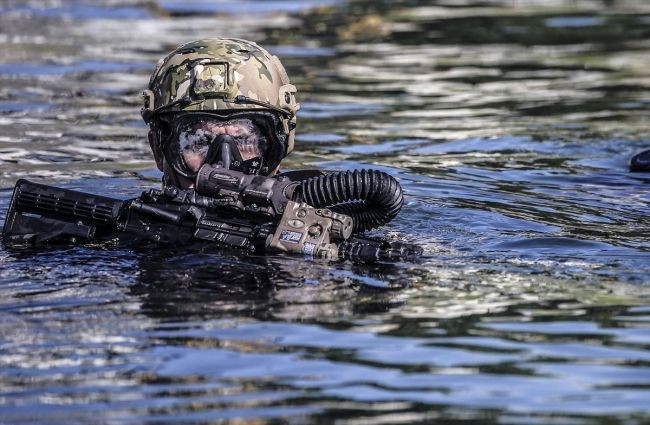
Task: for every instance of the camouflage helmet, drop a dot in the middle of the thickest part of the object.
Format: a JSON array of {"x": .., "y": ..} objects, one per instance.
[{"x": 224, "y": 76}]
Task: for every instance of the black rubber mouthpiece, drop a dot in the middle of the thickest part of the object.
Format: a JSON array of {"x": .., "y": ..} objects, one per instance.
[
  {"x": 224, "y": 151},
  {"x": 221, "y": 149}
]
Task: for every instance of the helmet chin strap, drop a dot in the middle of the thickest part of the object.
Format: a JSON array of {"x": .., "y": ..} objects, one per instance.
[{"x": 172, "y": 178}]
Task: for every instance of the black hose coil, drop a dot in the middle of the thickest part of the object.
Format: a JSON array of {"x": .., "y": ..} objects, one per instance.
[{"x": 372, "y": 198}]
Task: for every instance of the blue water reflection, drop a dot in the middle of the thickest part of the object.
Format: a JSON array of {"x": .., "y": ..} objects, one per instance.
[{"x": 509, "y": 127}]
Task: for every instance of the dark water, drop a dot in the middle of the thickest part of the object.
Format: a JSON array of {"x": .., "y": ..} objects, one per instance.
[{"x": 508, "y": 123}]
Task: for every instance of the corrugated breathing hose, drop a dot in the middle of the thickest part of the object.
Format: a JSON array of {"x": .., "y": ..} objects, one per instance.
[{"x": 372, "y": 198}]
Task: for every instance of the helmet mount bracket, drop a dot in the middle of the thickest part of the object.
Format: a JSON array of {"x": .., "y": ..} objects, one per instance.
[{"x": 210, "y": 79}]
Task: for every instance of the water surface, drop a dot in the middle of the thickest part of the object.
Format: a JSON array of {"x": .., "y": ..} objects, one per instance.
[{"x": 509, "y": 125}]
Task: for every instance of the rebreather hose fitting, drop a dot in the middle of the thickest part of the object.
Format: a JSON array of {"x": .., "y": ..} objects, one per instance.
[{"x": 371, "y": 197}]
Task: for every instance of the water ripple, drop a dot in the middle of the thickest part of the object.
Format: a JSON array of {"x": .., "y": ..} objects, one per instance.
[{"x": 509, "y": 128}]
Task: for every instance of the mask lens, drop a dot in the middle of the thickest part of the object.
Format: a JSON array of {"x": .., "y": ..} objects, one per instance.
[{"x": 191, "y": 144}]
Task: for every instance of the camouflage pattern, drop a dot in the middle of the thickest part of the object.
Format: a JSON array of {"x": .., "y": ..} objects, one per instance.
[{"x": 212, "y": 72}]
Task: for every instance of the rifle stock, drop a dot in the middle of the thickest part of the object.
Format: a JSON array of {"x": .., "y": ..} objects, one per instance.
[{"x": 39, "y": 213}]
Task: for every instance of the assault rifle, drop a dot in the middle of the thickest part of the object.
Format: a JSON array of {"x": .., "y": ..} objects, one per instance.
[{"x": 227, "y": 207}]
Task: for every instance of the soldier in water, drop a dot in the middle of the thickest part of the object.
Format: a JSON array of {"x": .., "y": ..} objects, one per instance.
[
  {"x": 219, "y": 100},
  {"x": 222, "y": 116}
]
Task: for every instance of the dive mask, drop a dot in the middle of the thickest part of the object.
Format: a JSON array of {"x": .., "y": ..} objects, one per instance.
[{"x": 238, "y": 142}]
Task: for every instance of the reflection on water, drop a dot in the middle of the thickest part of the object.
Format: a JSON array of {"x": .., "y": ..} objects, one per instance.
[{"x": 509, "y": 124}]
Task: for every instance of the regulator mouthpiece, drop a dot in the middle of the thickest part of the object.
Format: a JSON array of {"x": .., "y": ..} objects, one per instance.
[
  {"x": 222, "y": 144},
  {"x": 228, "y": 154}
]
